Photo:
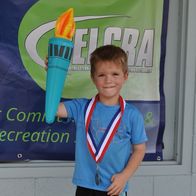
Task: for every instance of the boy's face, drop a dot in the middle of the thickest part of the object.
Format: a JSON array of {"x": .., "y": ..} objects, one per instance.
[{"x": 109, "y": 78}]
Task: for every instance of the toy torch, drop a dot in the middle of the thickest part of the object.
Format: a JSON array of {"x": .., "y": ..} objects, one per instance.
[{"x": 60, "y": 50}]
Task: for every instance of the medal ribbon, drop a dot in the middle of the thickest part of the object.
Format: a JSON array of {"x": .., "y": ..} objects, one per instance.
[{"x": 97, "y": 152}]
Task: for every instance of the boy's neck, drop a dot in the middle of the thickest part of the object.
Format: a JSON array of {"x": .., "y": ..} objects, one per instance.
[{"x": 109, "y": 101}]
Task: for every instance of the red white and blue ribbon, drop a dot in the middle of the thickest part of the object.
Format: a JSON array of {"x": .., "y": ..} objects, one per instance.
[{"x": 99, "y": 151}]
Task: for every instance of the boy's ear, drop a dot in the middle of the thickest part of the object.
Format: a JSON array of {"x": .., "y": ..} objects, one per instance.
[{"x": 126, "y": 74}]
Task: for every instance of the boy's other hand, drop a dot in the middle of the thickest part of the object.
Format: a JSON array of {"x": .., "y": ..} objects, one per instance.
[{"x": 118, "y": 184}]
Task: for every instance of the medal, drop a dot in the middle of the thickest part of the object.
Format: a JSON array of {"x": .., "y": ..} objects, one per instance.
[
  {"x": 97, "y": 152},
  {"x": 97, "y": 177}
]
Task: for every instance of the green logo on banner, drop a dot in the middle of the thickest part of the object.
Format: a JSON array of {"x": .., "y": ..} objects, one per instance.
[{"x": 100, "y": 23}]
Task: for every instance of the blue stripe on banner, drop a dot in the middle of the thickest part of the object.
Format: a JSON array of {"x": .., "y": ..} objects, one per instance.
[{"x": 159, "y": 143}]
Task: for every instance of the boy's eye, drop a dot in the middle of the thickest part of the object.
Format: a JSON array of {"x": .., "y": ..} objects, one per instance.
[
  {"x": 115, "y": 74},
  {"x": 100, "y": 75}
]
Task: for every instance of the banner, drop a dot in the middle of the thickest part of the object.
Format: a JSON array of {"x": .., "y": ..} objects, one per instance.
[{"x": 139, "y": 27}]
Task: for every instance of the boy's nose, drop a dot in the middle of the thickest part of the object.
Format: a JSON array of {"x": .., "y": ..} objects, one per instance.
[{"x": 108, "y": 79}]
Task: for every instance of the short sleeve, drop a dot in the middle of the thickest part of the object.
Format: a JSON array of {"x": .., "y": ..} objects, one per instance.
[
  {"x": 74, "y": 107},
  {"x": 138, "y": 133}
]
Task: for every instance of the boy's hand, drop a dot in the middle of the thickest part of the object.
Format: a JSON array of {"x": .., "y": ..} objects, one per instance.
[
  {"x": 118, "y": 183},
  {"x": 46, "y": 63}
]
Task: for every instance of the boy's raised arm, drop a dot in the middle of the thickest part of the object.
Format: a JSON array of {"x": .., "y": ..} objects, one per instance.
[{"x": 62, "y": 112}]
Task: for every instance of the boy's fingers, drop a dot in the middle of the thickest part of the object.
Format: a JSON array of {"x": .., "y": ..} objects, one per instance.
[{"x": 46, "y": 63}]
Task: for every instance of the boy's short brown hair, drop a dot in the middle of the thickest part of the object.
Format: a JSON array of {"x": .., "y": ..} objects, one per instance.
[{"x": 109, "y": 53}]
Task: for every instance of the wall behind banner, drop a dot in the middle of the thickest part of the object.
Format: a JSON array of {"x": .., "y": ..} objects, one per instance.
[{"x": 177, "y": 175}]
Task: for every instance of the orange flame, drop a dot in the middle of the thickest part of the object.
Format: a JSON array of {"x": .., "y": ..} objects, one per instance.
[{"x": 65, "y": 25}]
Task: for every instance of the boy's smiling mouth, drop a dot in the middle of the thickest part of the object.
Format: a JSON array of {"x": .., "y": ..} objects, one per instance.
[{"x": 108, "y": 87}]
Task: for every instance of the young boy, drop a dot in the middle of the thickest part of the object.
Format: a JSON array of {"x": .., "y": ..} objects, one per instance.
[{"x": 110, "y": 135}]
